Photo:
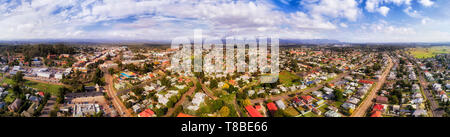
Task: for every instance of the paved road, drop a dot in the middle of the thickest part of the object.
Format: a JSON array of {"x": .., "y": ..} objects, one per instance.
[
  {"x": 435, "y": 111},
  {"x": 182, "y": 99},
  {"x": 118, "y": 105},
  {"x": 51, "y": 102},
  {"x": 361, "y": 110},
  {"x": 208, "y": 92}
]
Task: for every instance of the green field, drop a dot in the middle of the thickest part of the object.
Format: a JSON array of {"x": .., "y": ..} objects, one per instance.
[
  {"x": 291, "y": 111},
  {"x": 47, "y": 88},
  {"x": 429, "y": 52},
  {"x": 286, "y": 77}
]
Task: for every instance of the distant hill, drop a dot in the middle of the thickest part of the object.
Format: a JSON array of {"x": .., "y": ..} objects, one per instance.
[{"x": 308, "y": 41}]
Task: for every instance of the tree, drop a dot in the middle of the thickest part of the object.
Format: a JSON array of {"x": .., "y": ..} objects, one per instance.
[
  {"x": 429, "y": 65},
  {"x": 111, "y": 71},
  {"x": 247, "y": 102},
  {"x": 339, "y": 95},
  {"x": 213, "y": 84},
  {"x": 278, "y": 113},
  {"x": 61, "y": 92},
  {"x": 394, "y": 99},
  {"x": 18, "y": 78},
  {"x": 217, "y": 104},
  {"x": 16, "y": 89},
  {"x": 97, "y": 77},
  {"x": 224, "y": 111}
]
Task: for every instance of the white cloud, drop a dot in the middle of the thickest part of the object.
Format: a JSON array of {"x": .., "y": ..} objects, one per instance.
[
  {"x": 377, "y": 5},
  {"x": 333, "y": 8},
  {"x": 383, "y": 10},
  {"x": 426, "y": 3},
  {"x": 285, "y": 1},
  {"x": 301, "y": 20},
  {"x": 164, "y": 19},
  {"x": 410, "y": 12}
]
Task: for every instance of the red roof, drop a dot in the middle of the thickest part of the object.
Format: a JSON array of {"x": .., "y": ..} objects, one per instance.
[
  {"x": 307, "y": 98},
  {"x": 252, "y": 111},
  {"x": 296, "y": 100},
  {"x": 41, "y": 93},
  {"x": 377, "y": 107},
  {"x": 258, "y": 107},
  {"x": 376, "y": 114},
  {"x": 271, "y": 106},
  {"x": 365, "y": 82},
  {"x": 184, "y": 115},
  {"x": 146, "y": 113}
]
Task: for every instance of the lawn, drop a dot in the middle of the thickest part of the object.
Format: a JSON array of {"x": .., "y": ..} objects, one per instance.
[
  {"x": 291, "y": 111},
  {"x": 323, "y": 108},
  {"x": 9, "y": 98},
  {"x": 429, "y": 52},
  {"x": 47, "y": 88},
  {"x": 286, "y": 77},
  {"x": 337, "y": 104},
  {"x": 311, "y": 114}
]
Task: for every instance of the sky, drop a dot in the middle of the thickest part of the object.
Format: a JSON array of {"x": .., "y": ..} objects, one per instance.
[{"x": 344, "y": 20}]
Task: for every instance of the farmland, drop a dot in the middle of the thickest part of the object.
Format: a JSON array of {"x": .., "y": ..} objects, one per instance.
[{"x": 429, "y": 52}]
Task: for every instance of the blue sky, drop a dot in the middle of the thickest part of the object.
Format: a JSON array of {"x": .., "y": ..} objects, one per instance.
[{"x": 344, "y": 20}]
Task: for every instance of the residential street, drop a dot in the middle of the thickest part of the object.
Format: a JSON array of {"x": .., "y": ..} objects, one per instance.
[
  {"x": 120, "y": 107},
  {"x": 182, "y": 99},
  {"x": 435, "y": 111},
  {"x": 361, "y": 110}
]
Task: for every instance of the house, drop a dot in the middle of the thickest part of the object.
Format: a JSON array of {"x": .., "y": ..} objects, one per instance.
[
  {"x": 272, "y": 107},
  {"x": 15, "y": 105},
  {"x": 365, "y": 82},
  {"x": 40, "y": 93},
  {"x": 136, "y": 108},
  {"x": 43, "y": 74},
  {"x": 251, "y": 92},
  {"x": 382, "y": 100},
  {"x": 415, "y": 88},
  {"x": 308, "y": 99},
  {"x": 377, "y": 107},
  {"x": 147, "y": 113},
  {"x": 184, "y": 115},
  {"x": 320, "y": 102},
  {"x": 376, "y": 114},
  {"x": 59, "y": 75},
  {"x": 198, "y": 98},
  {"x": 353, "y": 100},
  {"x": 280, "y": 104},
  {"x": 34, "y": 99},
  {"x": 5, "y": 69},
  {"x": 348, "y": 106},
  {"x": 331, "y": 113},
  {"x": 317, "y": 93},
  {"x": 2, "y": 104},
  {"x": 252, "y": 111},
  {"x": 328, "y": 90},
  {"x": 419, "y": 113}
]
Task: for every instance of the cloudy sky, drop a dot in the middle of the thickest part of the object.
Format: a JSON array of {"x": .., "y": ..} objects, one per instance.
[{"x": 344, "y": 20}]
